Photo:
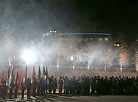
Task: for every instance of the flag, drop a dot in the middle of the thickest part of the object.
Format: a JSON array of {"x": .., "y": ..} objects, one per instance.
[
  {"x": 26, "y": 73},
  {"x": 11, "y": 77},
  {"x": 39, "y": 73},
  {"x": 25, "y": 81},
  {"x": 47, "y": 80},
  {"x": 8, "y": 75},
  {"x": 17, "y": 78},
  {"x": 34, "y": 73},
  {"x": 33, "y": 76},
  {"x": 2, "y": 76},
  {"x": 0, "y": 79},
  {"x": 46, "y": 72},
  {"x": 44, "y": 75}
]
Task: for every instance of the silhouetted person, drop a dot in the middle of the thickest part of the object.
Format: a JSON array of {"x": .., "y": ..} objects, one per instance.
[
  {"x": 16, "y": 90},
  {"x": 11, "y": 89},
  {"x": 55, "y": 85},
  {"x": 23, "y": 87},
  {"x": 60, "y": 85},
  {"x": 4, "y": 89},
  {"x": 42, "y": 86},
  {"x": 51, "y": 84},
  {"x": 34, "y": 87},
  {"x": 38, "y": 87},
  {"x": 78, "y": 86},
  {"x": 28, "y": 87},
  {"x": 66, "y": 84},
  {"x": 93, "y": 85}
]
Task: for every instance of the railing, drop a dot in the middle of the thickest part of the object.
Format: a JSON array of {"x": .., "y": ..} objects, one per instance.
[
  {"x": 96, "y": 69},
  {"x": 77, "y": 68}
]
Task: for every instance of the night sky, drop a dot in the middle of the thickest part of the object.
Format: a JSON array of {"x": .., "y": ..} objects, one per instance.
[{"x": 118, "y": 17}]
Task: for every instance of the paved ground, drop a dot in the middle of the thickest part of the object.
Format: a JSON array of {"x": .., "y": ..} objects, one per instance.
[{"x": 51, "y": 98}]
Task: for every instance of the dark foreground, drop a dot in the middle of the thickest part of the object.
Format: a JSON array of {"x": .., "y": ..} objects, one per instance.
[{"x": 56, "y": 98}]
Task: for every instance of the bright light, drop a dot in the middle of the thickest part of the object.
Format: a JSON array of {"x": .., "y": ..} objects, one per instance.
[
  {"x": 114, "y": 44},
  {"x": 53, "y": 31},
  {"x": 29, "y": 56},
  {"x": 106, "y": 39},
  {"x": 71, "y": 58},
  {"x": 109, "y": 50}
]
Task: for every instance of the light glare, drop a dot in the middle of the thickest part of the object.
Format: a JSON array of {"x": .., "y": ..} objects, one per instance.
[{"x": 29, "y": 56}]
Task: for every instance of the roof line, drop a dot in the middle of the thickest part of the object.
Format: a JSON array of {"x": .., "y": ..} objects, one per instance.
[{"x": 84, "y": 33}]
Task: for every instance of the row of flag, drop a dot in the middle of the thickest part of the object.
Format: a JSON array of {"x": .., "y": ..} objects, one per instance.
[{"x": 11, "y": 80}]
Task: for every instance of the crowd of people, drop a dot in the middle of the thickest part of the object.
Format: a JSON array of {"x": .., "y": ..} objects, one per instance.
[{"x": 83, "y": 85}]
